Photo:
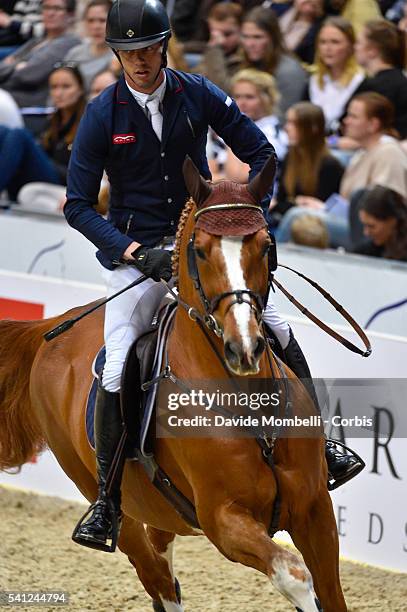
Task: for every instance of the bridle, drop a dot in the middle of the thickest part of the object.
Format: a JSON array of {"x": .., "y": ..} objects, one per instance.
[{"x": 254, "y": 300}]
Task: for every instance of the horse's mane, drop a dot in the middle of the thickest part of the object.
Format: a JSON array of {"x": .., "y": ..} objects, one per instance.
[
  {"x": 178, "y": 237},
  {"x": 20, "y": 432}
]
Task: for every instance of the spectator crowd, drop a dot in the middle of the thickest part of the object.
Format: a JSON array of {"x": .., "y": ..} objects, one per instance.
[{"x": 325, "y": 80}]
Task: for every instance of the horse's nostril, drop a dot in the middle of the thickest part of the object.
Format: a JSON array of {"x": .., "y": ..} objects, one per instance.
[
  {"x": 259, "y": 347},
  {"x": 232, "y": 351}
]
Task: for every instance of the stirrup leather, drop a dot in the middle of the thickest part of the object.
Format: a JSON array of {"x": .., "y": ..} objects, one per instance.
[
  {"x": 334, "y": 483},
  {"x": 114, "y": 531}
]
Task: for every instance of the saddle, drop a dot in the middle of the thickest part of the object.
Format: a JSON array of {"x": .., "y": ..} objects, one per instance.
[{"x": 143, "y": 363}]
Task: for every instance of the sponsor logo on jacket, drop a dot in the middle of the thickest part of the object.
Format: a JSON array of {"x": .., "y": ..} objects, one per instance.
[{"x": 123, "y": 138}]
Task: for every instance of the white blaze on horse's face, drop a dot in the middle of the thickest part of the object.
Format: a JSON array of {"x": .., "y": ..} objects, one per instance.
[{"x": 241, "y": 348}]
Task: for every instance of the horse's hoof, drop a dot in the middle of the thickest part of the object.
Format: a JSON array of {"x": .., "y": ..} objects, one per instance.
[
  {"x": 316, "y": 603},
  {"x": 157, "y": 605}
]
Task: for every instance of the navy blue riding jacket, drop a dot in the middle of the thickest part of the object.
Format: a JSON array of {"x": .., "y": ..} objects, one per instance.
[{"x": 147, "y": 188}]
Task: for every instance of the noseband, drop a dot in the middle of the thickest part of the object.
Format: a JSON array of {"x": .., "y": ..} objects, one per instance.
[{"x": 254, "y": 300}]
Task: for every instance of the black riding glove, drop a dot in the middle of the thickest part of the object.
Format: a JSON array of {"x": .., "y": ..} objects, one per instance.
[{"x": 154, "y": 263}]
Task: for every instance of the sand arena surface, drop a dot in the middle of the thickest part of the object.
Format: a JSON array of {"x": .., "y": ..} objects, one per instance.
[{"x": 36, "y": 553}]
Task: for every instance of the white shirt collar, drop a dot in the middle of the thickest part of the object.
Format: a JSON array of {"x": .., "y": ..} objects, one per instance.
[{"x": 142, "y": 98}]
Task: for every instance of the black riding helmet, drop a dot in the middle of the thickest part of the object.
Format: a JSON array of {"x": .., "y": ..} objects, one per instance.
[{"x": 136, "y": 24}]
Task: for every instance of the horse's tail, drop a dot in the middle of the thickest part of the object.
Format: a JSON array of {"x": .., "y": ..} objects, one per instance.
[{"x": 20, "y": 431}]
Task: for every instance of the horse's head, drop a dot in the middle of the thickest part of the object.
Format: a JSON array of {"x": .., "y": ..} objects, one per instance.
[{"x": 228, "y": 261}]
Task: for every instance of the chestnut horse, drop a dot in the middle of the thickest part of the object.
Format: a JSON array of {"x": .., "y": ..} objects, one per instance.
[{"x": 44, "y": 388}]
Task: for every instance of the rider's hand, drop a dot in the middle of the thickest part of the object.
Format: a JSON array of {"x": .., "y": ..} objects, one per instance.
[{"x": 154, "y": 263}]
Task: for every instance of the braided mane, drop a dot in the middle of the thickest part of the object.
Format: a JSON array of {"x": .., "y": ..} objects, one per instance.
[{"x": 178, "y": 237}]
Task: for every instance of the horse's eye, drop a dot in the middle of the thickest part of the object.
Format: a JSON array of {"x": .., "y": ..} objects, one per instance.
[
  {"x": 266, "y": 248},
  {"x": 200, "y": 253}
]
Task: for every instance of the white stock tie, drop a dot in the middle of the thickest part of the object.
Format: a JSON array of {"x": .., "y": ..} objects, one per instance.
[{"x": 156, "y": 116}]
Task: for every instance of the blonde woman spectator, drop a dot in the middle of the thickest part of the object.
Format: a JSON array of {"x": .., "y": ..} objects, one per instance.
[
  {"x": 264, "y": 49},
  {"x": 299, "y": 26},
  {"x": 337, "y": 74},
  {"x": 222, "y": 56},
  {"x": 358, "y": 12},
  {"x": 93, "y": 55},
  {"x": 257, "y": 97}
]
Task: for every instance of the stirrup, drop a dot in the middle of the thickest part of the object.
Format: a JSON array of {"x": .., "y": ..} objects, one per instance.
[
  {"x": 334, "y": 483},
  {"x": 115, "y": 529}
]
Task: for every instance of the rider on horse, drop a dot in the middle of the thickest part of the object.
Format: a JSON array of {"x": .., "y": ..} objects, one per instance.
[{"x": 140, "y": 130}]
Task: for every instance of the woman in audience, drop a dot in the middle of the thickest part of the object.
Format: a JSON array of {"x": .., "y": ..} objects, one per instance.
[
  {"x": 383, "y": 214},
  {"x": 22, "y": 160},
  {"x": 380, "y": 161},
  {"x": 381, "y": 49},
  {"x": 337, "y": 73},
  {"x": 309, "y": 170},
  {"x": 256, "y": 96},
  {"x": 299, "y": 26},
  {"x": 93, "y": 55},
  {"x": 264, "y": 49}
]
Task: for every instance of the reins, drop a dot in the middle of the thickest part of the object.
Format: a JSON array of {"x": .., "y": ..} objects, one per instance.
[{"x": 344, "y": 313}]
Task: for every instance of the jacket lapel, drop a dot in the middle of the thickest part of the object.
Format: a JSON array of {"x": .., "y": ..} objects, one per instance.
[
  {"x": 135, "y": 113},
  {"x": 171, "y": 105}
]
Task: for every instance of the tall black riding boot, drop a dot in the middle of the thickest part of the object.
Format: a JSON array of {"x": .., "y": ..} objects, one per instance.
[
  {"x": 104, "y": 522},
  {"x": 341, "y": 467}
]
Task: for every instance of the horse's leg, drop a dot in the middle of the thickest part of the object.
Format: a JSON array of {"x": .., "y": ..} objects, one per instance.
[
  {"x": 243, "y": 539},
  {"x": 163, "y": 542},
  {"x": 152, "y": 567},
  {"x": 314, "y": 533}
]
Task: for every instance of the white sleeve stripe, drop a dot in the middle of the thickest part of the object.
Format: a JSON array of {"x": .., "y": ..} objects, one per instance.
[{"x": 228, "y": 101}]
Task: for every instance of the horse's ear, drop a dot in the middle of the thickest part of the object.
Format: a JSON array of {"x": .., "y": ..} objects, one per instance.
[
  {"x": 197, "y": 187},
  {"x": 260, "y": 185}
]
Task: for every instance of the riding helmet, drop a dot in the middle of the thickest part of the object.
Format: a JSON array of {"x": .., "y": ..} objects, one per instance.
[{"x": 136, "y": 24}]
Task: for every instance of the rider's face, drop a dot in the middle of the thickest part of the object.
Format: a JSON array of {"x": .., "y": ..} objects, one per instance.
[{"x": 142, "y": 67}]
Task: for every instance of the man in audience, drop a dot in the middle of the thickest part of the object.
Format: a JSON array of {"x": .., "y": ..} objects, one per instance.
[
  {"x": 222, "y": 56},
  {"x": 25, "y": 73}
]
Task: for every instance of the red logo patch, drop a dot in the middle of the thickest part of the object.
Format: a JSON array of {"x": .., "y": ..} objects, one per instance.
[{"x": 124, "y": 138}]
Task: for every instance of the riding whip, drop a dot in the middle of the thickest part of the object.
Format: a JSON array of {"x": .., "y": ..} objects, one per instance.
[{"x": 65, "y": 325}]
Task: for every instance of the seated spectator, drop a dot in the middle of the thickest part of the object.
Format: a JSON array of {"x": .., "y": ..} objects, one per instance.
[
  {"x": 380, "y": 48},
  {"x": 21, "y": 21},
  {"x": 299, "y": 26},
  {"x": 309, "y": 171},
  {"x": 22, "y": 160},
  {"x": 93, "y": 55},
  {"x": 380, "y": 161},
  {"x": 358, "y": 12},
  {"x": 337, "y": 74},
  {"x": 264, "y": 49},
  {"x": 9, "y": 112},
  {"x": 100, "y": 82},
  {"x": 222, "y": 56},
  {"x": 256, "y": 96},
  {"x": 25, "y": 73},
  {"x": 310, "y": 231},
  {"x": 383, "y": 213}
]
